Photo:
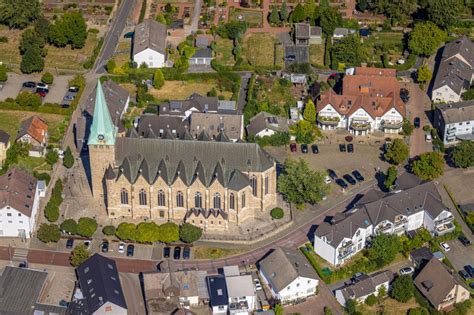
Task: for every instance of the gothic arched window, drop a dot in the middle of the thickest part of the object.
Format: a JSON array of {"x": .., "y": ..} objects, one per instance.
[
  {"x": 217, "y": 201},
  {"x": 142, "y": 197},
  {"x": 198, "y": 200},
  {"x": 253, "y": 184},
  {"x": 124, "y": 196},
  {"x": 179, "y": 199},
  {"x": 231, "y": 201},
  {"x": 161, "y": 198}
]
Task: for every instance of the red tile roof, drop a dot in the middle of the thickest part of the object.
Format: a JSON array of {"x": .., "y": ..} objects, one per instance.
[{"x": 35, "y": 127}]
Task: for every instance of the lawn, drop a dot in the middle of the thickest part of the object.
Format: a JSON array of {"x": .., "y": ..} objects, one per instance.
[
  {"x": 223, "y": 51},
  {"x": 259, "y": 49},
  {"x": 316, "y": 54},
  {"x": 269, "y": 90},
  {"x": 391, "y": 40},
  {"x": 201, "y": 252},
  {"x": 389, "y": 306},
  {"x": 179, "y": 90},
  {"x": 31, "y": 164},
  {"x": 123, "y": 51},
  {"x": 253, "y": 18},
  {"x": 9, "y": 52}
]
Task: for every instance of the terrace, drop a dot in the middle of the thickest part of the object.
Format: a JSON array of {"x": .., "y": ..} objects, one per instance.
[{"x": 328, "y": 120}]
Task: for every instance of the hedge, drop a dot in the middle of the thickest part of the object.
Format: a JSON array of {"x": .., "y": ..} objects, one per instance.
[
  {"x": 109, "y": 230},
  {"x": 277, "y": 213},
  {"x": 86, "y": 227},
  {"x": 51, "y": 211}
]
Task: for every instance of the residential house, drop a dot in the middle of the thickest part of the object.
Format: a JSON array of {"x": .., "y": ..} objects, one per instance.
[
  {"x": 99, "y": 290},
  {"x": 420, "y": 257},
  {"x": 149, "y": 44},
  {"x": 4, "y": 146},
  {"x": 240, "y": 290},
  {"x": 288, "y": 275},
  {"x": 364, "y": 286},
  {"x": 316, "y": 35},
  {"x": 302, "y": 34},
  {"x": 23, "y": 291},
  {"x": 202, "y": 41},
  {"x": 455, "y": 121},
  {"x": 455, "y": 71},
  {"x": 19, "y": 202},
  {"x": 265, "y": 124},
  {"x": 439, "y": 286},
  {"x": 341, "y": 32},
  {"x": 370, "y": 101},
  {"x": 202, "y": 56},
  {"x": 34, "y": 131},
  {"x": 395, "y": 213},
  {"x": 218, "y": 297}
]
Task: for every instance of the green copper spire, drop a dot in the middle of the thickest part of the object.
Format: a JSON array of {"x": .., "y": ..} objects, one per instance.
[{"x": 102, "y": 130}]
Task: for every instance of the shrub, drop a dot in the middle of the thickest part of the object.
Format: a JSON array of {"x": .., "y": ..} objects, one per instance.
[
  {"x": 51, "y": 212},
  {"x": 277, "y": 213},
  {"x": 51, "y": 157},
  {"x": 3, "y": 73},
  {"x": 69, "y": 226},
  {"x": 126, "y": 231},
  {"x": 48, "y": 233},
  {"x": 403, "y": 288},
  {"x": 168, "y": 232},
  {"x": 158, "y": 79},
  {"x": 109, "y": 230},
  {"x": 47, "y": 78},
  {"x": 68, "y": 160},
  {"x": 42, "y": 176},
  {"x": 189, "y": 233},
  {"x": 111, "y": 66},
  {"x": 86, "y": 227},
  {"x": 426, "y": 128},
  {"x": 371, "y": 300}
]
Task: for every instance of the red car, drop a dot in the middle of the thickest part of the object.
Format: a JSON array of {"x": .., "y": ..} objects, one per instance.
[{"x": 293, "y": 147}]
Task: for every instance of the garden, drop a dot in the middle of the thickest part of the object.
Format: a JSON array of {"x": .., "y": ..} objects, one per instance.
[
  {"x": 253, "y": 18},
  {"x": 262, "y": 50}
]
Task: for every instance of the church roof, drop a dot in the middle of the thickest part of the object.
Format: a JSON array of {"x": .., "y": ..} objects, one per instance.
[{"x": 103, "y": 130}]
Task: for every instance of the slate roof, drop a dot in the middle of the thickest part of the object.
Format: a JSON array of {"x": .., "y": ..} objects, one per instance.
[
  {"x": 421, "y": 255},
  {"x": 283, "y": 266},
  {"x": 17, "y": 190},
  {"x": 341, "y": 31},
  {"x": 161, "y": 123},
  {"x": 34, "y": 126},
  {"x": 371, "y": 196},
  {"x": 316, "y": 31},
  {"x": 302, "y": 30},
  {"x": 188, "y": 160},
  {"x": 100, "y": 283},
  {"x": 457, "y": 112},
  {"x": 217, "y": 290},
  {"x": 264, "y": 120},
  {"x": 149, "y": 34},
  {"x": 407, "y": 180},
  {"x": 462, "y": 46},
  {"x": 202, "y": 53},
  {"x": 4, "y": 137},
  {"x": 367, "y": 286},
  {"x": 199, "y": 102},
  {"x": 213, "y": 123}
]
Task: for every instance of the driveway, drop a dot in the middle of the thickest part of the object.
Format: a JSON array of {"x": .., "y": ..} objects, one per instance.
[
  {"x": 195, "y": 18},
  {"x": 316, "y": 304},
  {"x": 459, "y": 255}
]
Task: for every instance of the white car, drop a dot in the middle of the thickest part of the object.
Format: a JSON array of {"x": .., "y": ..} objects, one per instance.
[
  {"x": 121, "y": 248},
  {"x": 428, "y": 138},
  {"x": 327, "y": 180},
  {"x": 407, "y": 271},
  {"x": 258, "y": 286},
  {"x": 42, "y": 85},
  {"x": 445, "y": 246}
]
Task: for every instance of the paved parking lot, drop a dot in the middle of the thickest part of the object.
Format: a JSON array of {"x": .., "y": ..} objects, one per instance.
[{"x": 459, "y": 255}]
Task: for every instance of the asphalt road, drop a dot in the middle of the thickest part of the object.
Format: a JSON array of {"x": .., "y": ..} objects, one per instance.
[{"x": 113, "y": 35}]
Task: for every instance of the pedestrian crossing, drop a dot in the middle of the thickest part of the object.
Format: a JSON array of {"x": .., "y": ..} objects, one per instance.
[{"x": 20, "y": 254}]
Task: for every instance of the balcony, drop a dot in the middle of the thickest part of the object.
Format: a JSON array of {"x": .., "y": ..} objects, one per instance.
[
  {"x": 328, "y": 120},
  {"x": 346, "y": 253},
  {"x": 391, "y": 124},
  {"x": 445, "y": 220},
  {"x": 360, "y": 125},
  {"x": 444, "y": 228},
  {"x": 384, "y": 228},
  {"x": 451, "y": 131},
  {"x": 238, "y": 306}
]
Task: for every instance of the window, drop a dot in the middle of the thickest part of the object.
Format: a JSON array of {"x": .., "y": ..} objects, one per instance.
[
  {"x": 19, "y": 214},
  {"x": 266, "y": 185},
  {"x": 231, "y": 201},
  {"x": 161, "y": 198},
  {"x": 197, "y": 200},
  {"x": 142, "y": 197},
  {"x": 124, "y": 196},
  {"x": 243, "y": 200},
  {"x": 460, "y": 124},
  {"x": 179, "y": 199},
  {"x": 9, "y": 214},
  {"x": 162, "y": 214},
  {"x": 217, "y": 201},
  {"x": 253, "y": 184}
]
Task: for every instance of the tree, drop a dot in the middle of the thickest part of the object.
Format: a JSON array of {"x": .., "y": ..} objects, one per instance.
[
  {"x": 109, "y": 230},
  {"x": 126, "y": 231},
  {"x": 51, "y": 157},
  {"x": 70, "y": 29},
  {"x": 47, "y": 78},
  {"x": 402, "y": 288},
  {"x": 397, "y": 152},
  {"x": 362, "y": 5},
  {"x": 371, "y": 300},
  {"x": 309, "y": 7},
  {"x": 299, "y": 184},
  {"x": 424, "y": 74},
  {"x": 79, "y": 255},
  {"x": 463, "y": 154},
  {"x": 168, "y": 232},
  {"x": 86, "y": 227},
  {"x": 304, "y": 131},
  {"x": 468, "y": 95},
  {"x": 278, "y": 309},
  {"x": 384, "y": 248},
  {"x": 147, "y": 232},
  {"x": 182, "y": 64},
  {"x": 429, "y": 165},
  {"x": 68, "y": 160},
  {"x": 51, "y": 211},
  {"x": 32, "y": 50},
  {"x": 390, "y": 177},
  {"x": 444, "y": 13},
  {"x": 19, "y": 14},
  {"x": 111, "y": 65},
  {"x": 329, "y": 19},
  {"x": 42, "y": 27},
  {"x": 298, "y": 14},
  {"x": 57, "y": 35},
  {"x": 407, "y": 127},
  {"x": 28, "y": 99},
  {"x": 418, "y": 311},
  {"x": 382, "y": 292},
  {"x": 274, "y": 17},
  {"x": 349, "y": 50},
  {"x": 3, "y": 73},
  {"x": 69, "y": 226},
  {"x": 425, "y": 38},
  {"x": 351, "y": 307},
  {"x": 48, "y": 233},
  {"x": 232, "y": 29},
  {"x": 284, "y": 12},
  {"x": 310, "y": 112},
  {"x": 189, "y": 233},
  {"x": 158, "y": 79}
]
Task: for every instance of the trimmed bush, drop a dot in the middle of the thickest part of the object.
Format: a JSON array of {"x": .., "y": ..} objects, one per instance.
[
  {"x": 371, "y": 300},
  {"x": 68, "y": 160},
  {"x": 168, "y": 232},
  {"x": 109, "y": 230},
  {"x": 126, "y": 231},
  {"x": 277, "y": 213},
  {"x": 48, "y": 233},
  {"x": 79, "y": 255},
  {"x": 86, "y": 227},
  {"x": 189, "y": 233},
  {"x": 47, "y": 78},
  {"x": 69, "y": 226}
]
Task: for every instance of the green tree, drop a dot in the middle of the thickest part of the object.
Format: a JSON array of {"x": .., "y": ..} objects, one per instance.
[
  {"x": 425, "y": 38},
  {"x": 79, "y": 255},
  {"x": 390, "y": 177},
  {"x": 47, "y": 78},
  {"x": 68, "y": 160},
  {"x": 57, "y": 35},
  {"x": 28, "y": 99},
  {"x": 424, "y": 74},
  {"x": 86, "y": 227},
  {"x": 126, "y": 231},
  {"x": 32, "y": 50},
  {"x": 19, "y": 14},
  {"x": 3, "y": 73},
  {"x": 158, "y": 79},
  {"x": 147, "y": 232},
  {"x": 189, "y": 233},
  {"x": 349, "y": 50},
  {"x": 310, "y": 112},
  {"x": 232, "y": 29},
  {"x": 428, "y": 166},
  {"x": 362, "y": 5},
  {"x": 70, "y": 29},
  {"x": 382, "y": 292},
  {"x": 463, "y": 154},
  {"x": 397, "y": 152},
  {"x": 444, "y": 13},
  {"x": 351, "y": 307},
  {"x": 109, "y": 230},
  {"x": 329, "y": 19},
  {"x": 51, "y": 157},
  {"x": 304, "y": 131},
  {"x": 274, "y": 17},
  {"x": 284, "y": 12},
  {"x": 42, "y": 27},
  {"x": 168, "y": 232},
  {"x": 384, "y": 248},
  {"x": 48, "y": 233},
  {"x": 407, "y": 127},
  {"x": 309, "y": 7},
  {"x": 402, "y": 288},
  {"x": 418, "y": 311},
  {"x": 278, "y": 309},
  {"x": 69, "y": 226},
  {"x": 468, "y": 95},
  {"x": 182, "y": 64},
  {"x": 371, "y": 300},
  {"x": 298, "y": 14},
  {"x": 299, "y": 184},
  {"x": 51, "y": 211},
  {"x": 111, "y": 65}
]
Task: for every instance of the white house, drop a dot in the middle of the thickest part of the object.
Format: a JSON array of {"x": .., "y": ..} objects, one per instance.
[
  {"x": 19, "y": 202},
  {"x": 288, "y": 275},
  {"x": 265, "y": 124},
  {"x": 397, "y": 213},
  {"x": 240, "y": 290},
  {"x": 364, "y": 286},
  {"x": 149, "y": 44},
  {"x": 455, "y": 121}
]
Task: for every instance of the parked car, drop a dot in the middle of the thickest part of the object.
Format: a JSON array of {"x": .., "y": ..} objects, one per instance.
[
  {"x": 445, "y": 246},
  {"x": 87, "y": 243},
  {"x": 177, "y": 252},
  {"x": 42, "y": 90},
  {"x": 315, "y": 149},
  {"x": 29, "y": 84},
  {"x": 464, "y": 240},
  {"x": 350, "y": 148},
  {"x": 404, "y": 95},
  {"x": 290, "y": 58},
  {"x": 104, "y": 247},
  {"x": 69, "y": 243},
  {"x": 332, "y": 174},
  {"x": 42, "y": 85},
  {"x": 304, "y": 148},
  {"x": 416, "y": 122},
  {"x": 41, "y": 94},
  {"x": 464, "y": 274},
  {"x": 23, "y": 264},
  {"x": 121, "y": 247},
  {"x": 258, "y": 285},
  {"x": 130, "y": 250},
  {"x": 341, "y": 183},
  {"x": 186, "y": 252},
  {"x": 470, "y": 270},
  {"x": 407, "y": 271},
  {"x": 69, "y": 97},
  {"x": 293, "y": 147},
  {"x": 166, "y": 252},
  {"x": 327, "y": 180},
  {"x": 342, "y": 147},
  {"x": 65, "y": 105},
  {"x": 358, "y": 176},
  {"x": 73, "y": 89},
  {"x": 349, "y": 179},
  {"x": 428, "y": 138}
]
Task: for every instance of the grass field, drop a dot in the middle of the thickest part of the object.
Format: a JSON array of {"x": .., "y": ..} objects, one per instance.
[
  {"x": 213, "y": 253},
  {"x": 259, "y": 49},
  {"x": 178, "y": 90},
  {"x": 67, "y": 58},
  {"x": 9, "y": 52},
  {"x": 123, "y": 52},
  {"x": 316, "y": 54},
  {"x": 389, "y": 307},
  {"x": 31, "y": 164},
  {"x": 253, "y": 18},
  {"x": 224, "y": 51},
  {"x": 391, "y": 40},
  {"x": 10, "y": 121}
]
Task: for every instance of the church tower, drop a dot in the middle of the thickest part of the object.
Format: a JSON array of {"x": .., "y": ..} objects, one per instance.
[{"x": 101, "y": 142}]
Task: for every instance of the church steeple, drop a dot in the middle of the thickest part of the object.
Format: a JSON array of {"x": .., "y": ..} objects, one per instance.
[{"x": 103, "y": 130}]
